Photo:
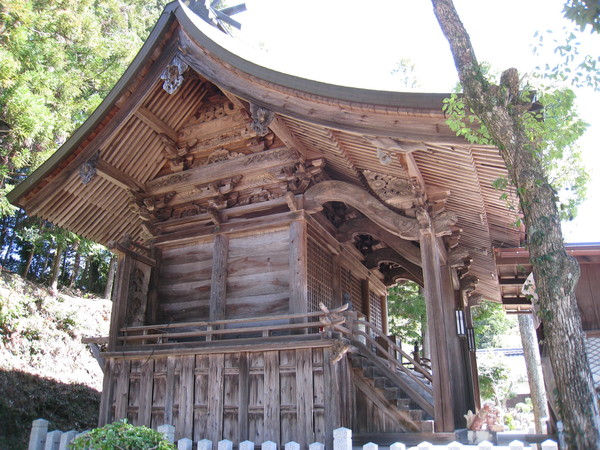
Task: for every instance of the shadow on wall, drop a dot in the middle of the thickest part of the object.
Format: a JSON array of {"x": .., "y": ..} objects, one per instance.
[{"x": 25, "y": 397}]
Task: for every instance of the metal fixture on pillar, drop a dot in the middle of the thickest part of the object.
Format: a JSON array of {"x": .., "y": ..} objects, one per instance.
[
  {"x": 460, "y": 323},
  {"x": 471, "y": 339}
]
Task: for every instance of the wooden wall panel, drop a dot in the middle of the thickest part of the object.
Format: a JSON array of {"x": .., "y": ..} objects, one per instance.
[
  {"x": 277, "y": 395},
  {"x": 258, "y": 275},
  {"x": 184, "y": 284}
]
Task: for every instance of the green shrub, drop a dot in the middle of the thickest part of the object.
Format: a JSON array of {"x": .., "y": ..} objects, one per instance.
[{"x": 122, "y": 435}]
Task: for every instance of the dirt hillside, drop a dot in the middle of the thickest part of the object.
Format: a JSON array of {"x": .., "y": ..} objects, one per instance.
[{"x": 45, "y": 370}]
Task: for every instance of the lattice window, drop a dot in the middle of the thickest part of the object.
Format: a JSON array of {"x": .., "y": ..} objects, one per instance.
[
  {"x": 352, "y": 286},
  {"x": 593, "y": 353},
  {"x": 320, "y": 276},
  {"x": 375, "y": 310}
]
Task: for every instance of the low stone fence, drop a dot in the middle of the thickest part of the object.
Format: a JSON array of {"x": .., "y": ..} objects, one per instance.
[{"x": 42, "y": 439}]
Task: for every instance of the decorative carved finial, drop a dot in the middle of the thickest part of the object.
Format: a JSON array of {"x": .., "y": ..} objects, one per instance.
[
  {"x": 87, "y": 171},
  {"x": 173, "y": 75},
  {"x": 261, "y": 119}
]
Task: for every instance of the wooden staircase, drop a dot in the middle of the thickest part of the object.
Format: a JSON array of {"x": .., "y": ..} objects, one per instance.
[{"x": 381, "y": 385}]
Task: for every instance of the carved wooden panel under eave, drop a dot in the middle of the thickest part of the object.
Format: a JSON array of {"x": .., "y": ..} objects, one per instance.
[
  {"x": 395, "y": 190},
  {"x": 227, "y": 179}
]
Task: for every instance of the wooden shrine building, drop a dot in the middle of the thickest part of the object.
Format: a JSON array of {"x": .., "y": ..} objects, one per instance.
[{"x": 259, "y": 218}]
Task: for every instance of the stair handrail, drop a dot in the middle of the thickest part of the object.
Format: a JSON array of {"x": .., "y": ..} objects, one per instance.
[{"x": 391, "y": 344}]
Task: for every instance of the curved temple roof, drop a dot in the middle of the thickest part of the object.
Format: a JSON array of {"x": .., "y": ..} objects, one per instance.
[{"x": 359, "y": 135}]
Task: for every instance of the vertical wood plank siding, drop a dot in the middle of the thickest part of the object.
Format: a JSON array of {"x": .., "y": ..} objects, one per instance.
[{"x": 276, "y": 395}]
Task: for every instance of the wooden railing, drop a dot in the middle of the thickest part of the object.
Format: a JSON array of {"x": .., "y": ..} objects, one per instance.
[
  {"x": 389, "y": 357},
  {"x": 312, "y": 325}
]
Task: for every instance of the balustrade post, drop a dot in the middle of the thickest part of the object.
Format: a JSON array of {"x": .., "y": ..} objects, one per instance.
[
  {"x": 185, "y": 444},
  {"x": 425, "y": 446},
  {"x": 53, "y": 440},
  {"x": 316, "y": 446},
  {"x": 516, "y": 445},
  {"x": 549, "y": 445},
  {"x": 205, "y": 444},
  {"x": 268, "y": 445},
  {"x": 398, "y": 446},
  {"x": 485, "y": 445},
  {"x": 342, "y": 439},
  {"x": 37, "y": 437},
  {"x": 246, "y": 445},
  {"x": 292, "y": 446},
  {"x": 225, "y": 444},
  {"x": 455, "y": 446},
  {"x": 370, "y": 446},
  {"x": 66, "y": 438},
  {"x": 168, "y": 431}
]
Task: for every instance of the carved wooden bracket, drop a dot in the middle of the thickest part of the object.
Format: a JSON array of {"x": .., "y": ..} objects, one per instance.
[
  {"x": 134, "y": 249},
  {"x": 173, "y": 75},
  {"x": 261, "y": 119},
  {"x": 87, "y": 171},
  {"x": 405, "y": 227},
  {"x": 468, "y": 284},
  {"x": 340, "y": 191},
  {"x": 363, "y": 225},
  {"x": 177, "y": 156},
  {"x": 389, "y": 255},
  {"x": 395, "y": 191}
]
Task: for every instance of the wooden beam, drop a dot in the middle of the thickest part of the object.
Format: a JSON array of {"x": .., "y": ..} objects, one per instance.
[
  {"x": 256, "y": 162},
  {"x": 119, "y": 120},
  {"x": 155, "y": 123},
  {"x": 117, "y": 177},
  {"x": 283, "y": 132}
]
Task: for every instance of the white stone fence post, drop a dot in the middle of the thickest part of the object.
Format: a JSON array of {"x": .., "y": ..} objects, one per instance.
[{"x": 41, "y": 439}]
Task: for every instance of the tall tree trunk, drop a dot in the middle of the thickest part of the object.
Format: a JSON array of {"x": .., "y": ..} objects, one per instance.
[
  {"x": 55, "y": 271},
  {"x": 76, "y": 264},
  {"x": 110, "y": 278},
  {"x": 28, "y": 263},
  {"x": 534, "y": 370},
  {"x": 556, "y": 273}
]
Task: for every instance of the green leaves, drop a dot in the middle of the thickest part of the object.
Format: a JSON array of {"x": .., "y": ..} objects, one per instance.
[
  {"x": 58, "y": 59},
  {"x": 406, "y": 312},
  {"x": 464, "y": 122},
  {"x": 121, "y": 435}
]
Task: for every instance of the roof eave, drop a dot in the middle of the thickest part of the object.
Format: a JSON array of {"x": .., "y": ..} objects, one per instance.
[{"x": 162, "y": 26}]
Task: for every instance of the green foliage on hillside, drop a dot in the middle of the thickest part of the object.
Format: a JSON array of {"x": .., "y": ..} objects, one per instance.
[{"x": 45, "y": 370}]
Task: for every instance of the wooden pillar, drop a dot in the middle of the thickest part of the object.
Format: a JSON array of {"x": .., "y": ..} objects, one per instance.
[
  {"x": 454, "y": 350},
  {"x": 472, "y": 364},
  {"x": 120, "y": 295},
  {"x": 218, "y": 282},
  {"x": 298, "y": 267},
  {"x": 366, "y": 301},
  {"x": 432, "y": 277},
  {"x": 153, "y": 288},
  {"x": 384, "y": 315},
  {"x": 336, "y": 283}
]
